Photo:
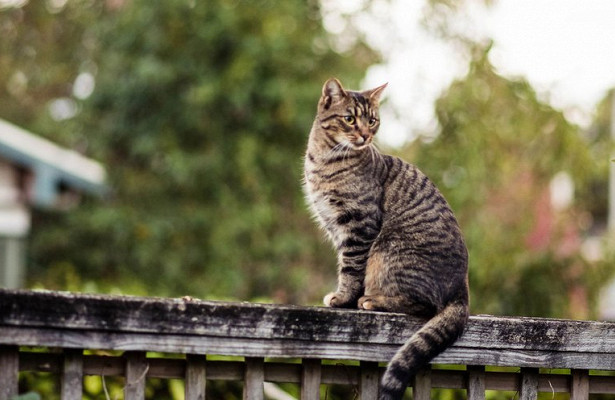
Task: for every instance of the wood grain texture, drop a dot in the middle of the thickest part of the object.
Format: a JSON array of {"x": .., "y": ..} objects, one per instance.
[
  {"x": 136, "y": 372},
  {"x": 291, "y": 348},
  {"x": 9, "y": 371},
  {"x": 476, "y": 383},
  {"x": 475, "y": 380},
  {"x": 601, "y": 384},
  {"x": 370, "y": 378},
  {"x": 579, "y": 386},
  {"x": 195, "y": 377},
  {"x": 72, "y": 375},
  {"x": 188, "y": 326},
  {"x": 87, "y": 312},
  {"x": 310, "y": 379},
  {"x": 285, "y": 372},
  {"x": 421, "y": 389},
  {"x": 529, "y": 384},
  {"x": 253, "y": 379}
]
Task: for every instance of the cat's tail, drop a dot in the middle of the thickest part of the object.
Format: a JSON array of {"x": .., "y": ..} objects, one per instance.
[{"x": 429, "y": 341}]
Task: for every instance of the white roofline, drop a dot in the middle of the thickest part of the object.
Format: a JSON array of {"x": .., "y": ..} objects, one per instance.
[{"x": 67, "y": 161}]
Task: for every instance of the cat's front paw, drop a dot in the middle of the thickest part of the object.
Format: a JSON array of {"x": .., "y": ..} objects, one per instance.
[{"x": 337, "y": 300}]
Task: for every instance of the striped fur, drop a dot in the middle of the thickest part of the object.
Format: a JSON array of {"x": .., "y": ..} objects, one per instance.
[{"x": 399, "y": 246}]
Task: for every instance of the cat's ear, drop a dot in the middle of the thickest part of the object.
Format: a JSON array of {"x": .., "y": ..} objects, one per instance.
[
  {"x": 374, "y": 94},
  {"x": 332, "y": 91}
]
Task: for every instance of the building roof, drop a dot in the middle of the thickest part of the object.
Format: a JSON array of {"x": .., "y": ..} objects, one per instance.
[{"x": 51, "y": 164}]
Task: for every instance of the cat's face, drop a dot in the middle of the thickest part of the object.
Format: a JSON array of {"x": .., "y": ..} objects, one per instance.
[{"x": 349, "y": 118}]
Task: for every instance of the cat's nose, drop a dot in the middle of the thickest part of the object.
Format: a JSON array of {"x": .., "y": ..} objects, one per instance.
[{"x": 361, "y": 139}]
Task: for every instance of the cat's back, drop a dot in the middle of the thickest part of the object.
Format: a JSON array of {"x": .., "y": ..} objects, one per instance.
[
  {"x": 407, "y": 187},
  {"x": 414, "y": 207}
]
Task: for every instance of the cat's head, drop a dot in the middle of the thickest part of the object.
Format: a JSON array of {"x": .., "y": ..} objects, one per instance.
[{"x": 349, "y": 117}]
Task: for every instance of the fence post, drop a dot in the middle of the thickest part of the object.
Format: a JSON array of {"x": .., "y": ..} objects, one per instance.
[
  {"x": 72, "y": 375},
  {"x": 9, "y": 371},
  {"x": 422, "y": 384},
  {"x": 476, "y": 383},
  {"x": 369, "y": 380},
  {"x": 254, "y": 378},
  {"x": 579, "y": 385},
  {"x": 195, "y": 377},
  {"x": 136, "y": 370},
  {"x": 310, "y": 379},
  {"x": 529, "y": 384}
]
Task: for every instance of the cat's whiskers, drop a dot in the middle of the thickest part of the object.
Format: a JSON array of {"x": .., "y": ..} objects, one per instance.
[
  {"x": 342, "y": 148},
  {"x": 372, "y": 149},
  {"x": 335, "y": 150},
  {"x": 349, "y": 149}
]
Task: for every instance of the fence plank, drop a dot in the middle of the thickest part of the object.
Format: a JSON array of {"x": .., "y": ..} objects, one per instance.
[
  {"x": 422, "y": 385},
  {"x": 195, "y": 377},
  {"x": 476, "y": 383},
  {"x": 50, "y": 319},
  {"x": 602, "y": 384},
  {"x": 164, "y": 317},
  {"x": 72, "y": 375},
  {"x": 253, "y": 379},
  {"x": 136, "y": 370},
  {"x": 290, "y": 347},
  {"x": 284, "y": 372},
  {"x": 9, "y": 371},
  {"x": 579, "y": 384},
  {"x": 310, "y": 379},
  {"x": 529, "y": 384},
  {"x": 369, "y": 381}
]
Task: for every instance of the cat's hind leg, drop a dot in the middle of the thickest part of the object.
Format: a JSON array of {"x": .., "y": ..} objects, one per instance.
[
  {"x": 399, "y": 304},
  {"x": 383, "y": 303}
]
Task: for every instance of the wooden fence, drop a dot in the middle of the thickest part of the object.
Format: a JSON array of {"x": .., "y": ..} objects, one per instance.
[{"x": 53, "y": 332}]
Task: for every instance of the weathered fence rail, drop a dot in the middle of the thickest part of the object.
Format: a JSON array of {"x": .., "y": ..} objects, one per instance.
[{"x": 270, "y": 338}]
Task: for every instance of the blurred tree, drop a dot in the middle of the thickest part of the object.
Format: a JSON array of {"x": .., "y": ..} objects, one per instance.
[
  {"x": 45, "y": 47},
  {"x": 201, "y": 113},
  {"x": 495, "y": 157},
  {"x": 594, "y": 193}
]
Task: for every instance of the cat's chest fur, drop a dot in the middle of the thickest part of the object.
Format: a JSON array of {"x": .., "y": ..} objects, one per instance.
[
  {"x": 322, "y": 198},
  {"x": 323, "y": 207},
  {"x": 339, "y": 195}
]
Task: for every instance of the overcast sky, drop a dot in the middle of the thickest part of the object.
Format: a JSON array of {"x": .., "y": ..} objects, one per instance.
[{"x": 565, "y": 48}]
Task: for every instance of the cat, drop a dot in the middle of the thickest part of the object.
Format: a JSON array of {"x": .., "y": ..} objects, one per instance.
[{"x": 399, "y": 246}]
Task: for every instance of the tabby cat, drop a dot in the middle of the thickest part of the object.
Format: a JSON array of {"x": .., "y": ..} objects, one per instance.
[{"x": 399, "y": 246}]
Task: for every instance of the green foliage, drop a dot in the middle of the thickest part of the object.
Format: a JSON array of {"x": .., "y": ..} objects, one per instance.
[
  {"x": 594, "y": 191},
  {"x": 44, "y": 49},
  {"x": 201, "y": 113},
  {"x": 498, "y": 148}
]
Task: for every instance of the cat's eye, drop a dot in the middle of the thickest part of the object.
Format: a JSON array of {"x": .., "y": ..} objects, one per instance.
[
  {"x": 349, "y": 119},
  {"x": 372, "y": 121}
]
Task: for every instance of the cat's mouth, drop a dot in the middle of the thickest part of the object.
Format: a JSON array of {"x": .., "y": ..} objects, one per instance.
[{"x": 360, "y": 142}]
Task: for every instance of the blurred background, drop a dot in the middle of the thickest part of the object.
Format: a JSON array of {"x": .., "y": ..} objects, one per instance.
[{"x": 155, "y": 148}]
